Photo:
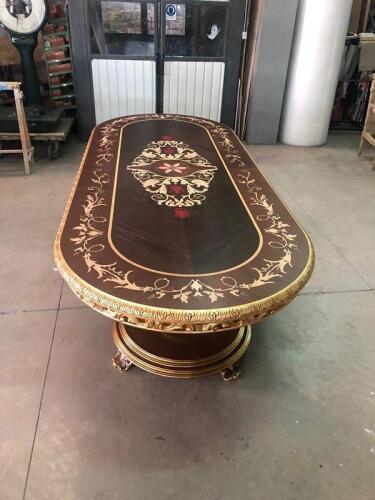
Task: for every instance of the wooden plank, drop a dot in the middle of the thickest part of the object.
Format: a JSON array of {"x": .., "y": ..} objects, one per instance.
[
  {"x": 24, "y": 132},
  {"x": 97, "y": 29},
  {"x": 252, "y": 46},
  {"x": 365, "y": 20},
  {"x": 27, "y": 151},
  {"x": 80, "y": 40},
  {"x": 232, "y": 62},
  {"x": 9, "y": 85},
  {"x": 355, "y": 16},
  {"x": 369, "y": 138},
  {"x": 368, "y": 134},
  {"x": 10, "y": 151}
]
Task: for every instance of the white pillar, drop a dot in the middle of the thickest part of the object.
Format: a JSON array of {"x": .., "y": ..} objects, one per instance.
[{"x": 318, "y": 46}]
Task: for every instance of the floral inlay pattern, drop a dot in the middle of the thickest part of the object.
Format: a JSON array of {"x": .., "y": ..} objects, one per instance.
[
  {"x": 90, "y": 229},
  {"x": 174, "y": 174}
]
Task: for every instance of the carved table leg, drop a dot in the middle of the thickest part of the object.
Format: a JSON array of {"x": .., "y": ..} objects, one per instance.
[
  {"x": 121, "y": 362},
  {"x": 231, "y": 373}
]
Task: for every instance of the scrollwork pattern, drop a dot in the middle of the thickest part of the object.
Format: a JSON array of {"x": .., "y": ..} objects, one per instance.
[
  {"x": 90, "y": 229},
  {"x": 174, "y": 174},
  {"x": 159, "y": 187}
]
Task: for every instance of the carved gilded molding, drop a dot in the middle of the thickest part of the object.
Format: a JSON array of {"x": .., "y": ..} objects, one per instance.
[{"x": 89, "y": 230}]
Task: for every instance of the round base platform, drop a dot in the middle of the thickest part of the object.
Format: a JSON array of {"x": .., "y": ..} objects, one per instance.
[{"x": 180, "y": 355}]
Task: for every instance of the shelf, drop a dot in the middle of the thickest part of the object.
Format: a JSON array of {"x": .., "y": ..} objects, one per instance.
[
  {"x": 56, "y": 33},
  {"x": 63, "y": 96},
  {"x": 56, "y": 47},
  {"x": 56, "y": 61},
  {"x": 63, "y": 84},
  {"x": 57, "y": 73},
  {"x": 58, "y": 20},
  {"x": 61, "y": 36}
]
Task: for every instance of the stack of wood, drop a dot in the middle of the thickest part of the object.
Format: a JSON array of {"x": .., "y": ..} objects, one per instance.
[{"x": 368, "y": 134}]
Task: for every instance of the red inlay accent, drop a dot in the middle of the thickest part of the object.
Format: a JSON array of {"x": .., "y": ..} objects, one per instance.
[
  {"x": 166, "y": 138},
  {"x": 169, "y": 151},
  {"x": 182, "y": 213},
  {"x": 176, "y": 188}
]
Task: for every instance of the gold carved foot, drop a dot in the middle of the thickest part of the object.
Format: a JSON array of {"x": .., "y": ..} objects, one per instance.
[
  {"x": 121, "y": 362},
  {"x": 231, "y": 373}
]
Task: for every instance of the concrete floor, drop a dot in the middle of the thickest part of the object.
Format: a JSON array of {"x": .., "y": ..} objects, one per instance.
[{"x": 299, "y": 424}]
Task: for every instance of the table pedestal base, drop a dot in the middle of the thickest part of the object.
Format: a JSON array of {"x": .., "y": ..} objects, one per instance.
[{"x": 180, "y": 355}]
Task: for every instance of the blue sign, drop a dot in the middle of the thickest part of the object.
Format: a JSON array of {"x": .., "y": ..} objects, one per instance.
[{"x": 170, "y": 10}]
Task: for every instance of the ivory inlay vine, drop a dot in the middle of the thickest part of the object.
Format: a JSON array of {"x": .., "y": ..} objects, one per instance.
[
  {"x": 89, "y": 229},
  {"x": 174, "y": 174}
]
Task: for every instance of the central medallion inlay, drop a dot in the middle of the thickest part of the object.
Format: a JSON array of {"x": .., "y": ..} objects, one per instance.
[{"x": 174, "y": 174}]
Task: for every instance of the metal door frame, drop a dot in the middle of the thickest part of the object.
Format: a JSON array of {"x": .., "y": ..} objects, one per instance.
[{"x": 82, "y": 57}]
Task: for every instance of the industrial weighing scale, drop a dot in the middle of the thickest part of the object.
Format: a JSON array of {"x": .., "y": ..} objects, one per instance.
[{"x": 23, "y": 19}]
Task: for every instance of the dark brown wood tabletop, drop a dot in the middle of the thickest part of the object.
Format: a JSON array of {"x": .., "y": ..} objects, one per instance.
[{"x": 170, "y": 220}]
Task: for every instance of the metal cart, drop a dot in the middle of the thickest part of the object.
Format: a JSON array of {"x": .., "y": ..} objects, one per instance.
[{"x": 54, "y": 137}]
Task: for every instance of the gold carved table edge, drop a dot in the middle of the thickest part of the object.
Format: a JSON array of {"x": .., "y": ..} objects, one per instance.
[{"x": 176, "y": 321}]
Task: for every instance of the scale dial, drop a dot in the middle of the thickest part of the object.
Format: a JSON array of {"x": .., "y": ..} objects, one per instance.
[{"x": 23, "y": 17}]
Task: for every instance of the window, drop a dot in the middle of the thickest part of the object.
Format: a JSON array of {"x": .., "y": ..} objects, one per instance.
[
  {"x": 121, "y": 17},
  {"x": 197, "y": 30},
  {"x": 122, "y": 28}
]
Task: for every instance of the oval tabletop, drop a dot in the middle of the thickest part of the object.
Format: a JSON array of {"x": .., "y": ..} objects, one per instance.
[{"x": 171, "y": 226}]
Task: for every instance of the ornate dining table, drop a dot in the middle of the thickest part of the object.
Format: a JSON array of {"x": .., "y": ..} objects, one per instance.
[{"x": 173, "y": 232}]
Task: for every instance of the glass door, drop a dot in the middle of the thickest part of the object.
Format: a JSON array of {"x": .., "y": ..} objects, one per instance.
[
  {"x": 194, "y": 45},
  {"x": 123, "y": 57},
  {"x": 154, "y": 56}
]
